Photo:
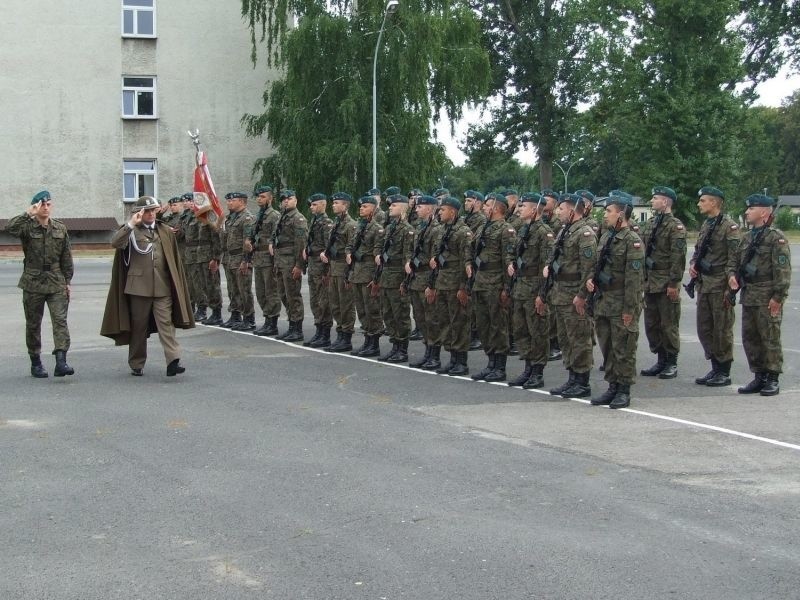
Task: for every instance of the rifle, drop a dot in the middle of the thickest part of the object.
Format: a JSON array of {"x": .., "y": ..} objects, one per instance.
[
  {"x": 746, "y": 268},
  {"x": 600, "y": 276},
  {"x": 480, "y": 244},
  {"x": 415, "y": 261},
  {"x": 384, "y": 256},
  {"x": 248, "y": 258},
  {"x": 276, "y": 234},
  {"x": 552, "y": 263},
  {"x": 310, "y": 236},
  {"x": 651, "y": 244},
  {"x": 329, "y": 251},
  {"x": 354, "y": 256},
  {"x": 699, "y": 257},
  {"x": 440, "y": 260},
  {"x": 522, "y": 246}
]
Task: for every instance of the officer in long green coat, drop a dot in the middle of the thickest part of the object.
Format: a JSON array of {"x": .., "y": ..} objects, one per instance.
[
  {"x": 45, "y": 280},
  {"x": 764, "y": 273}
]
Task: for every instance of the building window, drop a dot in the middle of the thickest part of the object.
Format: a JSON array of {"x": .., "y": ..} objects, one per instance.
[
  {"x": 138, "y": 18},
  {"x": 138, "y": 179},
  {"x": 139, "y": 97}
]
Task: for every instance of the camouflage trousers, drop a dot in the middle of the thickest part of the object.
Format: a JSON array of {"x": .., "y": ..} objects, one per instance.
[
  {"x": 289, "y": 290},
  {"x": 662, "y": 318},
  {"x": 715, "y": 325},
  {"x": 210, "y": 282},
  {"x": 618, "y": 344},
  {"x": 425, "y": 317},
  {"x": 451, "y": 327},
  {"x": 267, "y": 291},
  {"x": 368, "y": 309},
  {"x": 58, "y": 305},
  {"x": 761, "y": 338},
  {"x": 492, "y": 321},
  {"x": 197, "y": 291},
  {"x": 396, "y": 310},
  {"x": 342, "y": 305},
  {"x": 320, "y": 296},
  {"x": 574, "y": 338},
  {"x": 230, "y": 284},
  {"x": 531, "y": 331},
  {"x": 241, "y": 288}
]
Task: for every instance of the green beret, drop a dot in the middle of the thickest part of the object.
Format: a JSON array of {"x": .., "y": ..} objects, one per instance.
[
  {"x": 759, "y": 200},
  {"x": 530, "y": 197},
  {"x": 42, "y": 196},
  {"x": 450, "y": 201},
  {"x": 147, "y": 202},
  {"x": 510, "y": 192},
  {"x": 474, "y": 195},
  {"x": 662, "y": 190},
  {"x": 619, "y": 197},
  {"x": 316, "y": 198},
  {"x": 427, "y": 201},
  {"x": 235, "y": 196},
  {"x": 441, "y": 192},
  {"x": 548, "y": 193},
  {"x": 710, "y": 190},
  {"x": 585, "y": 194},
  {"x": 175, "y": 200},
  {"x": 498, "y": 197},
  {"x": 397, "y": 198},
  {"x": 263, "y": 189},
  {"x": 571, "y": 198},
  {"x": 342, "y": 196},
  {"x": 391, "y": 191},
  {"x": 374, "y": 192},
  {"x": 287, "y": 193},
  {"x": 189, "y": 197},
  {"x": 368, "y": 199}
]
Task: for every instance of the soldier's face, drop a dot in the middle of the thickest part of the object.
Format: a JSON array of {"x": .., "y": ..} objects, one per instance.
[
  {"x": 237, "y": 205},
  {"x": 149, "y": 216},
  {"x": 488, "y": 206},
  {"x": 424, "y": 211},
  {"x": 550, "y": 205},
  {"x": 44, "y": 208},
  {"x": 658, "y": 202},
  {"x": 365, "y": 210},
  {"x": 396, "y": 209},
  {"x": 611, "y": 215},
  {"x": 708, "y": 204},
  {"x": 176, "y": 207},
  {"x": 563, "y": 210},
  {"x": 526, "y": 210},
  {"x": 448, "y": 214},
  {"x": 264, "y": 199},
  {"x": 290, "y": 202},
  {"x": 340, "y": 207},
  {"x": 756, "y": 215}
]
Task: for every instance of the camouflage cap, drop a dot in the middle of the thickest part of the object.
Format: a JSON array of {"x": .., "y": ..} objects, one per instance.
[
  {"x": 43, "y": 196},
  {"x": 710, "y": 190}
]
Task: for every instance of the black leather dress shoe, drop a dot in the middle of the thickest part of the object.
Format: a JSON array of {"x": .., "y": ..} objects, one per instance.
[
  {"x": 137, "y": 372},
  {"x": 174, "y": 368}
]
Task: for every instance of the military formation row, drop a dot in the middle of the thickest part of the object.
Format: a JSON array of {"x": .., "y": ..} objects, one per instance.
[{"x": 531, "y": 274}]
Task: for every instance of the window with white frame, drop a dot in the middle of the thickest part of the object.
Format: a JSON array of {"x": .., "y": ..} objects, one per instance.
[
  {"x": 138, "y": 179},
  {"x": 139, "y": 97},
  {"x": 138, "y": 18}
]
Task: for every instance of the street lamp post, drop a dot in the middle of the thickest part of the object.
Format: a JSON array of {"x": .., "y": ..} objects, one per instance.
[
  {"x": 566, "y": 173},
  {"x": 391, "y": 7}
]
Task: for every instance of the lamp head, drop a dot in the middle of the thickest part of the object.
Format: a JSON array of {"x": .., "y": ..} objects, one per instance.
[{"x": 392, "y": 5}]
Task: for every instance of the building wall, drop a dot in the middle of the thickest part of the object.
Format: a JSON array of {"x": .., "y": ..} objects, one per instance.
[{"x": 61, "y": 74}]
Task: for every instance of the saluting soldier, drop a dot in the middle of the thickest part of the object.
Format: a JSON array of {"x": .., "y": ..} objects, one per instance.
[
  {"x": 617, "y": 290},
  {"x": 46, "y": 277},
  {"x": 664, "y": 238},
  {"x": 475, "y": 220},
  {"x": 568, "y": 297},
  {"x": 531, "y": 327},
  {"x": 396, "y": 248},
  {"x": 334, "y": 255},
  {"x": 286, "y": 247},
  {"x": 173, "y": 215},
  {"x": 494, "y": 251},
  {"x": 719, "y": 237},
  {"x": 764, "y": 272},
  {"x": 550, "y": 218},
  {"x": 257, "y": 247},
  {"x": 450, "y": 264},
  {"x": 319, "y": 229},
  {"x": 360, "y": 254},
  {"x": 238, "y": 229},
  {"x": 417, "y": 280}
]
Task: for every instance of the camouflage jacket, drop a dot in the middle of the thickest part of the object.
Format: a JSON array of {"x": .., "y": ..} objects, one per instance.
[
  {"x": 362, "y": 248},
  {"x": 345, "y": 232},
  {"x": 575, "y": 265},
  {"x": 499, "y": 241},
  {"x": 289, "y": 239},
  {"x": 319, "y": 228},
  {"x": 534, "y": 256},
  {"x": 428, "y": 233},
  {"x": 667, "y": 261},
  {"x": 260, "y": 236},
  {"x": 768, "y": 275},
  {"x": 721, "y": 256},
  {"x": 620, "y": 281},
  {"x": 48, "y": 265},
  {"x": 453, "y": 250},
  {"x": 237, "y": 229},
  {"x": 397, "y": 244},
  {"x": 208, "y": 247},
  {"x": 475, "y": 221}
]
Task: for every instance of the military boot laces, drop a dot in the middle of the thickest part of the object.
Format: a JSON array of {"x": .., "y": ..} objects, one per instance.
[
  {"x": 499, "y": 371},
  {"x": 536, "y": 380},
  {"x": 434, "y": 361}
]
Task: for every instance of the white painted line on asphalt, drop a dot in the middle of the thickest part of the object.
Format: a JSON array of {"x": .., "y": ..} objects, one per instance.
[{"x": 642, "y": 413}]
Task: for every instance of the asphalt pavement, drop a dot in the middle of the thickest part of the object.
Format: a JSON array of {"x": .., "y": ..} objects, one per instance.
[{"x": 269, "y": 470}]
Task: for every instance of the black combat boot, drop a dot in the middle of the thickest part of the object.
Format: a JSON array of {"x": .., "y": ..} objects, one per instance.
[
  {"x": 62, "y": 368},
  {"x": 460, "y": 369},
  {"x": 524, "y": 376},
  {"x": 421, "y": 361},
  {"x": 536, "y": 380},
  {"x": 445, "y": 369},
  {"x": 336, "y": 343},
  {"x": 771, "y": 387},
  {"x": 286, "y": 333},
  {"x": 499, "y": 371},
  {"x": 37, "y": 370},
  {"x": 474, "y": 340},
  {"x": 235, "y": 318},
  {"x": 402, "y": 353},
  {"x": 567, "y": 384},
  {"x": 622, "y": 399},
  {"x": 174, "y": 368},
  {"x": 392, "y": 352},
  {"x": 343, "y": 343},
  {"x": 372, "y": 348},
  {"x": 264, "y": 328},
  {"x": 215, "y": 318},
  {"x": 555, "y": 350},
  {"x": 580, "y": 387},
  {"x": 296, "y": 334},
  {"x": 364, "y": 346},
  {"x": 658, "y": 367},
  {"x": 434, "y": 360},
  {"x": 754, "y": 386},
  {"x": 248, "y": 324},
  {"x": 605, "y": 398},
  {"x": 481, "y": 375},
  {"x": 512, "y": 346},
  {"x": 705, "y": 378},
  {"x": 670, "y": 368},
  {"x": 272, "y": 329},
  {"x": 723, "y": 375},
  {"x": 415, "y": 335},
  {"x": 200, "y": 313},
  {"x": 317, "y": 331},
  {"x": 324, "y": 340}
]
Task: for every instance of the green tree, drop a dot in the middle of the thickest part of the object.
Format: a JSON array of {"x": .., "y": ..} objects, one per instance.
[{"x": 318, "y": 116}]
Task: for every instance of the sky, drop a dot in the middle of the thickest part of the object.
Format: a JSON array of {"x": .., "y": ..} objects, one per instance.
[{"x": 771, "y": 93}]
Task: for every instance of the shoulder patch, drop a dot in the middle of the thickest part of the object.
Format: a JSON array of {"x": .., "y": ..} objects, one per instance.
[
  {"x": 588, "y": 252},
  {"x": 637, "y": 245},
  {"x": 511, "y": 230},
  {"x": 680, "y": 244},
  {"x": 679, "y": 227},
  {"x": 636, "y": 265},
  {"x": 636, "y": 228},
  {"x": 734, "y": 227},
  {"x": 550, "y": 235},
  {"x": 782, "y": 260},
  {"x": 587, "y": 233},
  {"x": 781, "y": 241}
]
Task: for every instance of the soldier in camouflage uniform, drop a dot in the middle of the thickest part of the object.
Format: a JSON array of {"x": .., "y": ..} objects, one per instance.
[
  {"x": 396, "y": 248},
  {"x": 46, "y": 277},
  {"x": 334, "y": 255},
  {"x": 715, "y": 316},
  {"x": 208, "y": 254},
  {"x": 475, "y": 220},
  {"x": 550, "y": 200},
  {"x": 450, "y": 263},
  {"x": 238, "y": 229},
  {"x": 494, "y": 251},
  {"x": 617, "y": 291},
  {"x": 233, "y": 306},
  {"x": 172, "y": 218},
  {"x": 568, "y": 296},
  {"x": 534, "y": 244},
  {"x": 414, "y": 220},
  {"x": 380, "y": 215},
  {"x": 360, "y": 254},
  {"x": 664, "y": 238},
  {"x": 286, "y": 247},
  {"x": 319, "y": 229},
  {"x": 195, "y": 263},
  {"x": 257, "y": 248},
  {"x": 512, "y": 216},
  {"x": 764, "y": 273},
  {"x": 417, "y": 271}
]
